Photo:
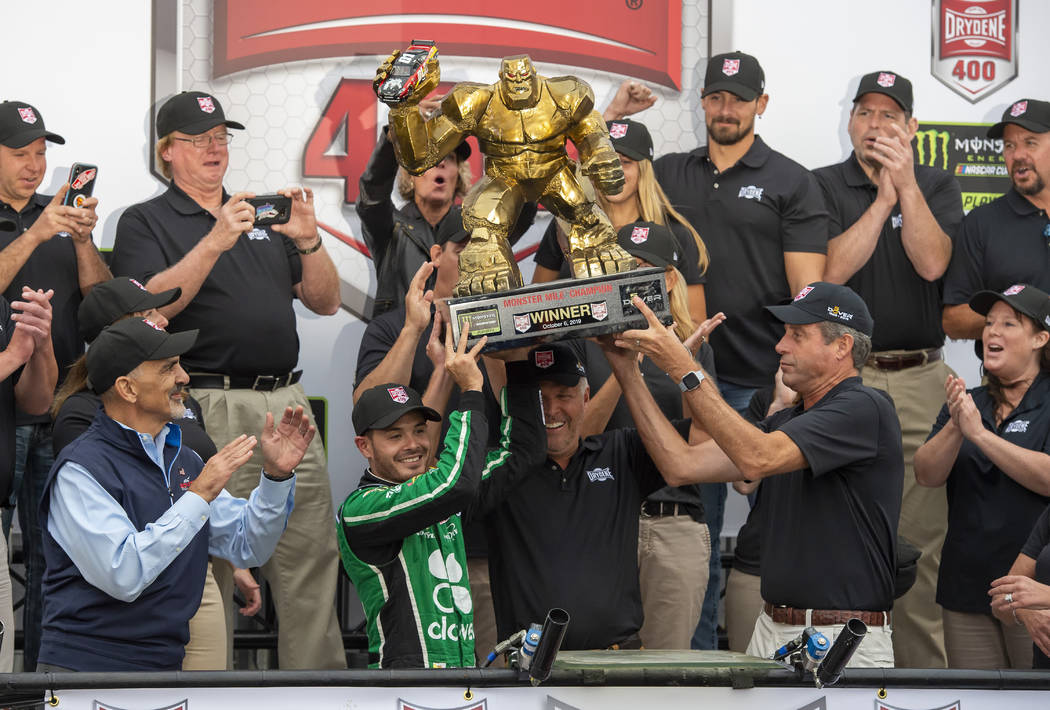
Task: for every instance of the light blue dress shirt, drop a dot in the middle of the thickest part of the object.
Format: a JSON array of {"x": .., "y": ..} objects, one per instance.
[{"x": 100, "y": 539}]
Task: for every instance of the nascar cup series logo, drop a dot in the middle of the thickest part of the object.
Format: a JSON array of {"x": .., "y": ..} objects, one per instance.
[{"x": 974, "y": 45}]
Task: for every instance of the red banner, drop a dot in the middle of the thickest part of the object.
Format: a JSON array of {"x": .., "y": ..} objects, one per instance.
[{"x": 631, "y": 37}]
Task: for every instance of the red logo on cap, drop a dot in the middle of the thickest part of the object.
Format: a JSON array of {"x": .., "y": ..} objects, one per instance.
[
  {"x": 618, "y": 130},
  {"x": 802, "y": 294},
  {"x": 544, "y": 358},
  {"x": 151, "y": 324},
  {"x": 730, "y": 66},
  {"x": 206, "y": 104},
  {"x": 398, "y": 394},
  {"x": 138, "y": 284},
  {"x": 1018, "y": 108},
  {"x": 27, "y": 115},
  {"x": 639, "y": 234},
  {"x": 1016, "y": 288},
  {"x": 886, "y": 80}
]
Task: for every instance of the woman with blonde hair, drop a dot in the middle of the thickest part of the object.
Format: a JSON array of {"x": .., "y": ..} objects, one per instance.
[
  {"x": 641, "y": 199},
  {"x": 674, "y": 545}
]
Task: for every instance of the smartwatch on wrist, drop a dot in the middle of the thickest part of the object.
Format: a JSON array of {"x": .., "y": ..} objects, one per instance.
[{"x": 691, "y": 380}]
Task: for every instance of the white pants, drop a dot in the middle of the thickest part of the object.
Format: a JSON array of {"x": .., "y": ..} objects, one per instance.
[{"x": 875, "y": 651}]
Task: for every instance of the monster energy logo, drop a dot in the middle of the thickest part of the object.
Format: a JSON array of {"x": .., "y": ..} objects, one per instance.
[{"x": 926, "y": 141}]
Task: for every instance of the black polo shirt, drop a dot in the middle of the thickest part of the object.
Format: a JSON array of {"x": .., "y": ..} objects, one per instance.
[
  {"x": 52, "y": 265},
  {"x": 244, "y": 307},
  {"x": 668, "y": 397},
  {"x": 908, "y": 315},
  {"x": 1001, "y": 243},
  {"x": 569, "y": 538},
  {"x": 7, "y": 406},
  {"x": 549, "y": 254},
  {"x": 1038, "y": 548},
  {"x": 990, "y": 515},
  {"x": 748, "y": 216},
  {"x": 830, "y": 534}
]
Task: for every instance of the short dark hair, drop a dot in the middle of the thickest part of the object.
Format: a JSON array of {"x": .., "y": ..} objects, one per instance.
[{"x": 832, "y": 331}]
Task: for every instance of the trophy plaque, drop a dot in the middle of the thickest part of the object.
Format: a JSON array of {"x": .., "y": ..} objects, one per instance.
[{"x": 568, "y": 308}]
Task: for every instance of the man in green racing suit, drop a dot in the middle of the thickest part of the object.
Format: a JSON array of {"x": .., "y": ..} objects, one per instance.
[{"x": 400, "y": 533}]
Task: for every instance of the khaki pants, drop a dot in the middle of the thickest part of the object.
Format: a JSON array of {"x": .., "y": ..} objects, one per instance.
[
  {"x": 918, "y": 395},
  {"x": 673, "y": 555},
  {"x": 981, "y": 641},
  {"x": 206, "y": 650},
  {"x": 485, "y": 639},
  {"x": 304, "y": 569},
  {"x": 743, "y": 605},
  {"x": 875, "y": 651}
]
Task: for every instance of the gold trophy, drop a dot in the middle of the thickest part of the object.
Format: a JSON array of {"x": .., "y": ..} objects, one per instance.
[{"x": 521, "y": 123}]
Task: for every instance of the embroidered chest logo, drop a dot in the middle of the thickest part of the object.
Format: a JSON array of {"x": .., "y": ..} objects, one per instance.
[
  {"x": 896, "y": 221},
  {"x": 1018, "y": 426},
  {"x": 600, "y": 474},
  {"x": 751, "y": 192},
  {"x": 257, "y": 234},
  {"x": 183, "y": 482}
]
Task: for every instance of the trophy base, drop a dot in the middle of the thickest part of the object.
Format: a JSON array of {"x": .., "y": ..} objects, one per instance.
[{"x": 567, "y": 308}]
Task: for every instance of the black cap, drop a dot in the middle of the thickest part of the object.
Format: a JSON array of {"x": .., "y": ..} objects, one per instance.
[
  {"x": 193, "y": 113},
  {"x": 108, "y": 301},
  {"x": 382, "y": 405},
  {"x": 123, "y": 346},
  {"x": 889, "y": 83},
  {"x": 450, "y": 229},
  {"x": 737, "y": 73},
  {"x": 825, "y": 301},
  {"x": 1026, "y": 113},
  {"x": 21, "y": 124},
  {"x": 631, "y": 138},
  {"x": 1021, "y": 297},
  {"x": 556, "y": 362},
  {"x": 649, "y": 241}
]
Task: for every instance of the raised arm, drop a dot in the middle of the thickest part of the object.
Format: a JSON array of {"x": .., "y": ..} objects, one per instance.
[{"x": 935, "y": 459}]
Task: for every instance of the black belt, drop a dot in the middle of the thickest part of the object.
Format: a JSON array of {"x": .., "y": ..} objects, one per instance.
[
  {"x": 261, "y": 383},
  {"x": 904, "y": 360},
  {"x": 662, "y": 509}
]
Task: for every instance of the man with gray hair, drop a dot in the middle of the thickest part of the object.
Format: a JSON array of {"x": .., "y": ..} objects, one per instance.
[{"x": 833, "y": 462}]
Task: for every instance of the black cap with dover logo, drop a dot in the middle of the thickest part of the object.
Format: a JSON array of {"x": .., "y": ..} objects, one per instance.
[
  {"x": 21, "y": 124},
  {"x": 193, "y": 113},
  {"x": 380, "y": 406},
  {"x": 649, "y": 242},
  {"x": 1021, "y": 297},
  {"x": 110, "y": 300},
  {"x": 735, "y": 72},
  {"x": 556, "y": 362},
  {"x": 1027, "y": 113},
  {"x": 826, "y": 301},
  {"x": 889, "y": 83}
]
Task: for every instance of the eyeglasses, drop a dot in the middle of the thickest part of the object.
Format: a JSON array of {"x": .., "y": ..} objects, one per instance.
[{"x": 204, "y": 140}]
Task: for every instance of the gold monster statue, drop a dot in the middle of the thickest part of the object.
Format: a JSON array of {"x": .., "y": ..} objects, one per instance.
[{"x": 521, "y": 123}]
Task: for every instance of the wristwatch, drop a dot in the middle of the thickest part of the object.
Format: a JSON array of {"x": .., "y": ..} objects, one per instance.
[{"x": 691, "y": 380}]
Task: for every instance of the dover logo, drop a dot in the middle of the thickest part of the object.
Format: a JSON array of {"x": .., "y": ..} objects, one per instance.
[
  {"x": 1018, "y": 108},
  {"x": 398, "y": 394},
  {"x": 544, "y": 358},
  {"x": 521, "y": 323},
  {"x": 1014, "y": 290},
  {"x": 639, "y": 234},
  {"x": 834, "y": 312},
  {"x": 600, "y": 474},
  {"x": 730, "y": 66},
  {"x": 886, "y": 80},
  {"x": 476, "y": 705},
  {"x": 618, "y": 130},
  {"x": 974, "y": 48},
  {"x": 27, "y": 115},
  {"x": 802, "y": 294},
  {"x": 206, "y": 104},
  {"x": 751, "y": 192},
  {"x": 599, "y": 310}
]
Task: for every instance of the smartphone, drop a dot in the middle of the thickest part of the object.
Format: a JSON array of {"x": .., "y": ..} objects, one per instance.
[
  {"x": 271, "y": 209},
  {"x": 81, "y": 184}
]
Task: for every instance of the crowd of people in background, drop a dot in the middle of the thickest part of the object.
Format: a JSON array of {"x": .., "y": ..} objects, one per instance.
[{"x": 173, "y": 458}]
